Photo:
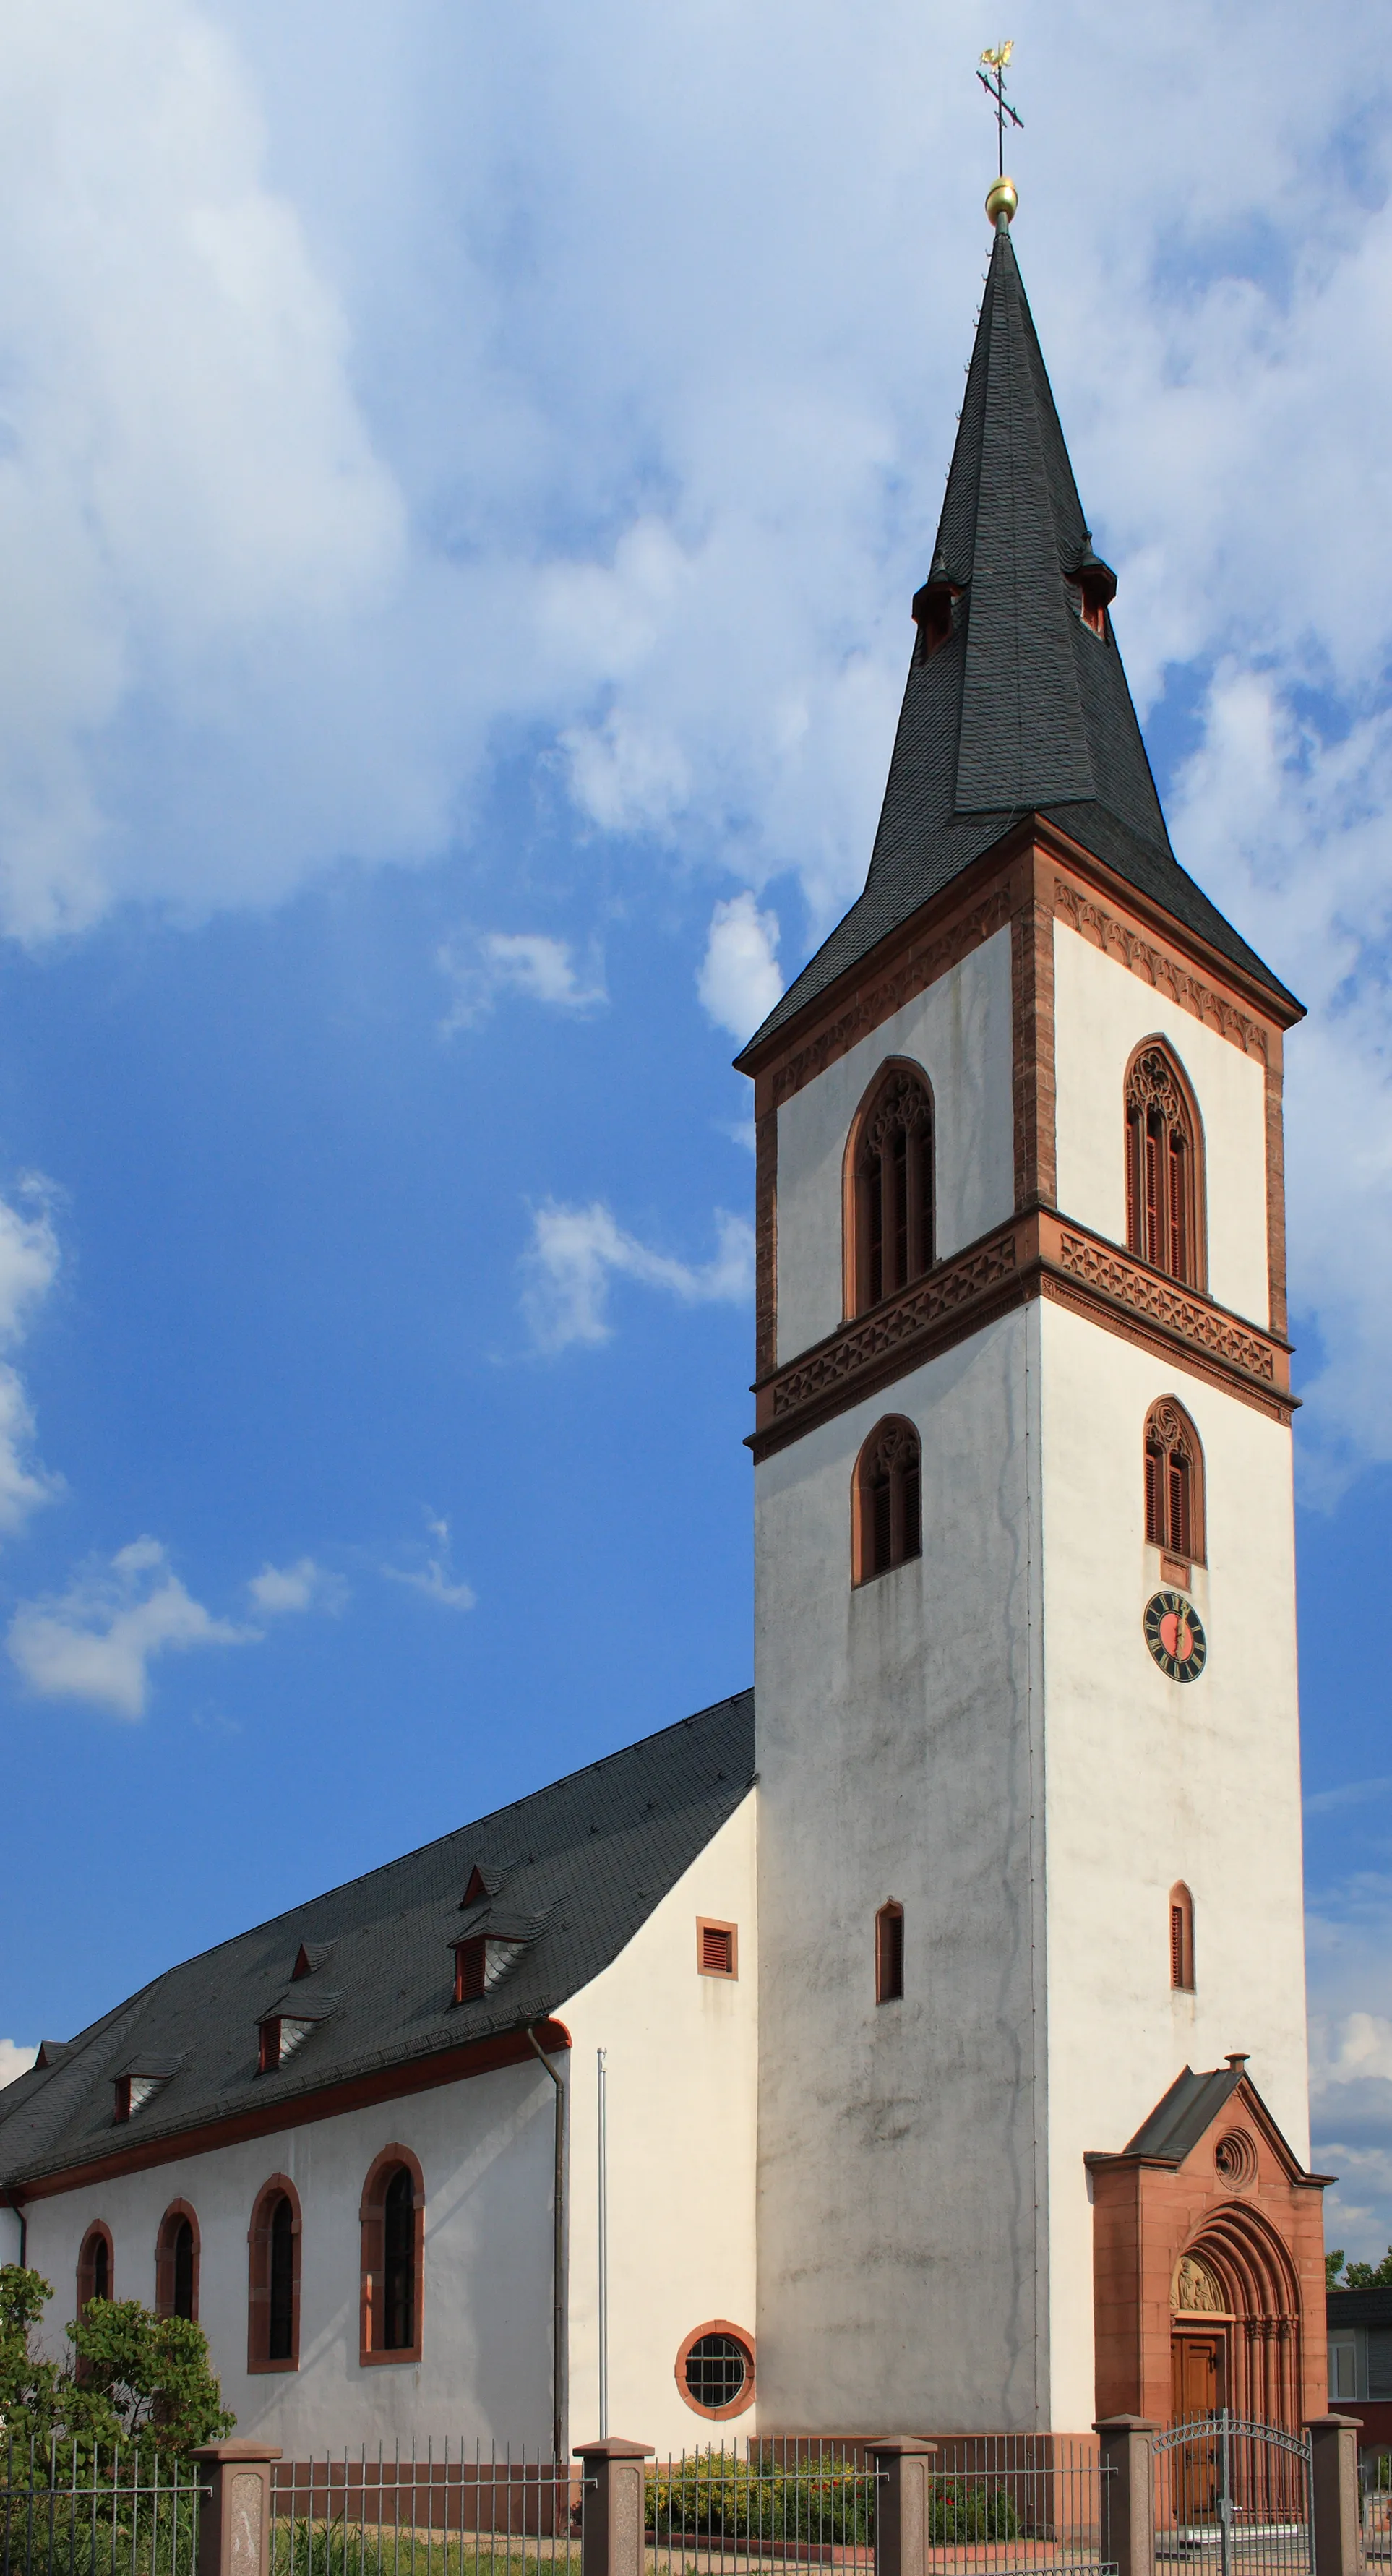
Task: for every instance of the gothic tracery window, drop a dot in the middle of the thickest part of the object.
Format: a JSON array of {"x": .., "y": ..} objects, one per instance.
[
  {"x": 176, "y": 2263},
  {"x": 273, "y": 2278},
  {"x": 1163, "y": 1202},
  {"x": 891, "y": 1198},
  {"x": 887, "y": 1516},
  {"x": 1174, "y": 1482}
]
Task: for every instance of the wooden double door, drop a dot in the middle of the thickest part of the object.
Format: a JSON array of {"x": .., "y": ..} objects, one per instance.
[{"x": 1199, "y": 2374}]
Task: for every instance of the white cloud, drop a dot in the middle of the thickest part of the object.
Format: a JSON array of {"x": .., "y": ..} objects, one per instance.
[
  {"x": 576, "y": 1251},
  {"x": 485, "y": 965},
  {"x": 279, "y": 1590},
  {"x": 530, "y": 415},
  {"x": 15, "y": 2059},
  {"x": 739, "y": 981},
  {"x": 28, "y": 1266},
  {"x": 436, "y": 1578},
  {"x": 97, "y": 1641}
]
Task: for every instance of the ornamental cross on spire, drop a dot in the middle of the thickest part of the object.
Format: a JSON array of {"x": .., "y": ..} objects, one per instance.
[{"x": 991, "y": 72}]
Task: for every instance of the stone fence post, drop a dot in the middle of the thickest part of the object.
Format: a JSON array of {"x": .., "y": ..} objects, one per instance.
[
  {"x": 903, "y": 2523},
  {"x": 611, "y": 2512},
  {"x": 1334, "y": 2508},
  {"x": 234, "y": 2518},
  {"x": 1128, "y": 2493}
]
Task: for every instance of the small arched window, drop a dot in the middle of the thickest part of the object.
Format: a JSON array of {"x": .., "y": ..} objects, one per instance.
[
  {"x": 393, "y": 2214},
  {"x": 1164, "y": 1178},
  {"x": 176, "y": 2263},
  {"x": 889, "y": 1954},
  {"x": 1174, "y": 1483},
  {"x": 889, "y": 1192},
  {"x": 95, "y": 2266},
  {"x": 1181, "y": 1939},
  {"x": 887, "y": 1504},
  {"x": 273, "y": 2278}
]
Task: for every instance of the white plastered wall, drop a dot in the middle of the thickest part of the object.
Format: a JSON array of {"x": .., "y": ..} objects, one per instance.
[
  {"x": 485, "y": 2149},
  {"x": 959, "y": 1031},
  {"x": 901, "y": 2281},
  {"x": 1150, "y": 1781},
  {"x": 682, "y": 2079},
  {"x": 1102, "y": 1011}
]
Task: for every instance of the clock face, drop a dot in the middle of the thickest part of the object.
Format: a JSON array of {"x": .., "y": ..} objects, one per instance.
[{"x": 1174, "y": 1634}]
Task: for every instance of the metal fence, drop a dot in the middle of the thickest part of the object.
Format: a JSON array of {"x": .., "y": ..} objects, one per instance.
[
  {"x": 446, "y": 2511},
  {"x": 764, "y": 2503},
  {"x": 66, "y": 2511},
  {"x": 1019, "y": 2501},
  {"x": 1235, "y": 2494}
]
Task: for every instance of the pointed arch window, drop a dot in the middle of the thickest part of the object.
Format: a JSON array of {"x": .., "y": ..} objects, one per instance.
[
  {"x": 176, "y": 2262},
  {"x": 273, "y": 2278},
  {"x": 887, "y": 1502},
  {"x": 1164, "y": 1175},
  {"x": 889, "y": 1192},
  {"x": 1174, "y": 1483},
  {"x": 1181, "y": 1939}
]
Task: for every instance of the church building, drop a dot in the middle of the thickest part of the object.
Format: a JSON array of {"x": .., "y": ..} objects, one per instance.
[{"x": 945, "y": 1993}]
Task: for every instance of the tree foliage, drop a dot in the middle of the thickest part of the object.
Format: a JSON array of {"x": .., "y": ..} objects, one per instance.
[
  {"x": 1357, "y": 2276},
  {"x": 132, "y": 2378}
]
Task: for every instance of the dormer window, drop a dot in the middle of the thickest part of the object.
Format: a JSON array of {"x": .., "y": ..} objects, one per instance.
[
  {"x": 932, "y": 610},
  {"x": 1094, "y": 587},
  {"x": 478, "y": 1888},
  {"x": 281, "y": 2035},
  {"x": 480, "y": 1962},
  {"x": 134, "y": 2091}
]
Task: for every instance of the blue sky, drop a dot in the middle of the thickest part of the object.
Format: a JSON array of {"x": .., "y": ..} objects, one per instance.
[{"x": 463, "y": 473}]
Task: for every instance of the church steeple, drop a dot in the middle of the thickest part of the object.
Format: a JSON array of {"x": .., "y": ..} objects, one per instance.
[{"x": 1016, "y": 701}]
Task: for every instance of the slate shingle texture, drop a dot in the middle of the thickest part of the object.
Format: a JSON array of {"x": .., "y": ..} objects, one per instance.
[
  {"x": 577, "y": 1869},
  {"x": 1023, "y": 709}
]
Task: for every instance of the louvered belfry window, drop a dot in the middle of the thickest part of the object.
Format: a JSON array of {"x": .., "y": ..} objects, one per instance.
[
  {"x": 889, "y": 1954},
  {"x": 1174, "y": 1513},
  {"x": 888, "y": 1499},
  {"x": 1181, "y": 1939},
  {"x": 1162, "y": 1203},
  {"x": 893, "y": 1189}
]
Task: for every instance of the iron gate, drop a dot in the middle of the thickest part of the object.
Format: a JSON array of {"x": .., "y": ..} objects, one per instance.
[{"x": 1237, "y": 2493}]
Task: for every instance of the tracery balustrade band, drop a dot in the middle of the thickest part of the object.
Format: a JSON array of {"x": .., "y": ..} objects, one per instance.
[{"x": 1036, "y": 1254}]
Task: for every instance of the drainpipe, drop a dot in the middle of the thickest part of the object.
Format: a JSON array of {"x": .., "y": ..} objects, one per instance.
[
  {"x": 18, "y": 2207},
  {"x": 558, "y": 2316}
]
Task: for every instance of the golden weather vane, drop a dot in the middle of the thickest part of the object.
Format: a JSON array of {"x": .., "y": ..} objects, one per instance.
[{"x": 991, "y": 71}]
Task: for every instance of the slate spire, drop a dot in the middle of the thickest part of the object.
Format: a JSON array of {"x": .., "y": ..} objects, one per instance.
[{"x": 1016, "y": 700}]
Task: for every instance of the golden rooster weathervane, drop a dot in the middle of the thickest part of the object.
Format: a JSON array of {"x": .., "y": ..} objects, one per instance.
[{"x": 991, "y": 71}]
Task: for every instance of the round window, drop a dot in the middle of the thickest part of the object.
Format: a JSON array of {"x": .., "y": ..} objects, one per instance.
[
  {"x": 1236, "y": 2159},
  {"x": 715, "y": 2371}
]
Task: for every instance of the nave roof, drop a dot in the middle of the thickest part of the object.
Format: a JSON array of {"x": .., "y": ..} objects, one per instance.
[{"x": 574, "y": 1871}]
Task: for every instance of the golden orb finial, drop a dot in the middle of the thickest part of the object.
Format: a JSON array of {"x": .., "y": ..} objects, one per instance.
[{"x": 1002, "y": 198}]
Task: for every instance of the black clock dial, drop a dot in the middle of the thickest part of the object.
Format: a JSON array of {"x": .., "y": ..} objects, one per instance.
[{"x": 1174, "y": 1633}]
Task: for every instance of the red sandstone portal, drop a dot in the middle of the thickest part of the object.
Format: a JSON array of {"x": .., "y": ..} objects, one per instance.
[{"x": 1208, "y": 2262}]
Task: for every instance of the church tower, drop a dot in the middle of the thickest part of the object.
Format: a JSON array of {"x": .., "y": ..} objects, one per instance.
[{"x": 1033, "y": 2112}]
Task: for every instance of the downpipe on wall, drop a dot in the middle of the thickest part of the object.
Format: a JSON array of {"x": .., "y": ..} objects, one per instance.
[{"x": 558, "y": 2318}]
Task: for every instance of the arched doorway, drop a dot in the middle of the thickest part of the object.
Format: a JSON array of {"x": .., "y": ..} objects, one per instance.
[{"x": 1235, "y": 2323}]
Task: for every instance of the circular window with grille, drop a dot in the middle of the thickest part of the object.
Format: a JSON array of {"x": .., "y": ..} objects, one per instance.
[
  {"x": 1235, "y": 2159},
  {"x": 715, "y": 2369}
]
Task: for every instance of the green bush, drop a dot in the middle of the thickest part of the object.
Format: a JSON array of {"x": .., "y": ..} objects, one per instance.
[
  {"x": 732, "y": 2499},
  {"x": 969, "y": 2509}
]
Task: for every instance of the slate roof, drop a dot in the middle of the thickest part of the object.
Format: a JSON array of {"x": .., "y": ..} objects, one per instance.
[
  {"x": 1191, "y": 2106},
  {"x": 1022, "y": 709},
  {"x": 1359, "y": 2307},
  {"x": 574, "y": 1871}
]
